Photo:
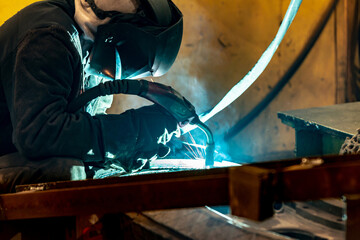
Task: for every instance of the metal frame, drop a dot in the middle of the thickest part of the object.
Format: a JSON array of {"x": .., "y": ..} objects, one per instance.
[{"x": 250, "y": 190}]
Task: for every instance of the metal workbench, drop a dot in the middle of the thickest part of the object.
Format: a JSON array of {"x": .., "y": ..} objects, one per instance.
[{"x": 322, "y": 130}]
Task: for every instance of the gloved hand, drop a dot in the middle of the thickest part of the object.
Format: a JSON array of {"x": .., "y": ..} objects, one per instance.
[{"x": 155, "y": 128}]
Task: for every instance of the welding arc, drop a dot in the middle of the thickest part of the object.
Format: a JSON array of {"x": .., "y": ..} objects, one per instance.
[{"x": 243, "y": 122}]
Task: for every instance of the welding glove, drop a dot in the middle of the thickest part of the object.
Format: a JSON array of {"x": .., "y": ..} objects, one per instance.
[
  {"x": 156, "y": 128},
  {"x": 152, "y": 127}
]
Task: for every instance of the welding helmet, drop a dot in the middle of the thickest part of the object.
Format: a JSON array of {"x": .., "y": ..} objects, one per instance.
[{"x": 136, "y": 45}]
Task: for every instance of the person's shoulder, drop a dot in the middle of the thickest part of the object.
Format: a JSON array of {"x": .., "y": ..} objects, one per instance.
[
  {"x": 48, "y": 19},
  {"x": 48, "y": 13},
  {"x": 54, "y": 38}
]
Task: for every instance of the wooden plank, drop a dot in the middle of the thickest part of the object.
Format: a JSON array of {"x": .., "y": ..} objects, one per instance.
[
  {"x": 251, "y": 192},
  {"x": 312, "y": 181},
  {"x": 255, "y": 188},
  {"x": 190, "y": 190}
]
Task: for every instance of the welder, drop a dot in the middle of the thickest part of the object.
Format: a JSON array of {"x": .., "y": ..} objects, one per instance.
[{"x": 53, "y": 51}]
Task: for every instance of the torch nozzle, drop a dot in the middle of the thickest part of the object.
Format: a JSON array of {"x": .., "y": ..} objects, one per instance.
[{"x": 210, "y": 144}]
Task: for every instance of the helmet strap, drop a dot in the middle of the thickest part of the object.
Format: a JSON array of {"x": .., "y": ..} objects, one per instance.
[{"x": 101, "y": 14}]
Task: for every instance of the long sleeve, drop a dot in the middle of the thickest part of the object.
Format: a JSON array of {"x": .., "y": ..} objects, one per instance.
[
  {"x": 40, "y": 73},
  {"x": 47, "y": 71},
  {"x": 47, "y": 76}
]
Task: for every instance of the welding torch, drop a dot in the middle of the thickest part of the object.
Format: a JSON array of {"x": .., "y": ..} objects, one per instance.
[{"x": 165, "y": 96}]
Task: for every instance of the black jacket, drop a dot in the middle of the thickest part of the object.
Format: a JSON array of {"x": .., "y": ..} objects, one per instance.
[{"x": 40, "y": 73}]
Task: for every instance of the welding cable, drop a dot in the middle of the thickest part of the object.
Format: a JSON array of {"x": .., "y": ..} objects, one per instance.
[
  {"x": 125, "y": 86},
  {"x": 243, "y": 122}
]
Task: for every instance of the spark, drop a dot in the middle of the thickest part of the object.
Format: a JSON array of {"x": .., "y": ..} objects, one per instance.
[
  {"x": 202, "y": 147},
  {"x": 188, "y": 156},
  {"x": 197, "y": 149},
  {"x": 189, "y": 148}
]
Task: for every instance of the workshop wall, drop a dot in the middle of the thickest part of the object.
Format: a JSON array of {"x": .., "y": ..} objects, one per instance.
[{"x": 222, "y": 42}]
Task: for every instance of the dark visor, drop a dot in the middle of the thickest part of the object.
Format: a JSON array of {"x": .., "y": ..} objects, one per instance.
[{"x": 134, "y": 46}]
